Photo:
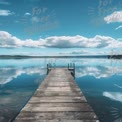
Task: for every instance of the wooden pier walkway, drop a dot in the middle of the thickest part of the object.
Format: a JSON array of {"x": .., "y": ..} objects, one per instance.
[{"x": 57, "y": 99}]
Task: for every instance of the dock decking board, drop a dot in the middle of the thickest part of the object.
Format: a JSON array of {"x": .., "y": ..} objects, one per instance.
[{"x": 57, "y": 99}]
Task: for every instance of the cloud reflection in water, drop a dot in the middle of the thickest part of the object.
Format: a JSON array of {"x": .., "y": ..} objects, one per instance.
[{"x": 8, "y": 74}]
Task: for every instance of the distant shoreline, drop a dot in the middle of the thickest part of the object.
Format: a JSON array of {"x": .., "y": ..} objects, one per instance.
[{"x": 84, "y": 56}]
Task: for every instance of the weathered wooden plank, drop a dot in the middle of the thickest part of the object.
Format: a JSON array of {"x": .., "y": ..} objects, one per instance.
[
  {"x": 48, "y": 94},
  {"x": 57, "y": 99},
  {"x": 59, "y": 84},
  {"x": 55, "y": 109},
  {"x": 54, "y": 120},
  {"x": 62, "y": 106},
  {"x": 59, "y": 89},
  {"x": 83, "y": 106},
  {"x": 58, "y": 115}
]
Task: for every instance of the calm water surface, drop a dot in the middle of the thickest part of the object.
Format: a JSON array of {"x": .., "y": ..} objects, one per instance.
[{"x": 99, "y": 79}]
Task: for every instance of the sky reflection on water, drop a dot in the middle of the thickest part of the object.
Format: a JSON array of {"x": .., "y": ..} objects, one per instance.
[
  {"x": 99, "y": 79},
  {"x": 18, "y": 82},
  {"x": 102, "y": 86}
]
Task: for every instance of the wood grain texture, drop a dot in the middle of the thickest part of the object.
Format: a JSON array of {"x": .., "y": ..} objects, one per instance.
[{"x": 57, "y": 99}]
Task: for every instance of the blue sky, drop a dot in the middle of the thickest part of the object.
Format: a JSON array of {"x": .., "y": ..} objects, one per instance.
[{"x": 58, "y": 27}]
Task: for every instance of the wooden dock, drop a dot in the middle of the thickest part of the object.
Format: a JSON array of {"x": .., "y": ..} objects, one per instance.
[{"x": 57, "y": 99}]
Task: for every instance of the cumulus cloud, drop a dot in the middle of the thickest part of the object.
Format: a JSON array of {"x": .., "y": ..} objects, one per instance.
[
  {"x": 80, "y": 42},
  {"x": 119, "y": 27},
  {"x": 5, "y": 13},
  {"x": 7, "y": 40},
  {"x": 114, "y": 17}
]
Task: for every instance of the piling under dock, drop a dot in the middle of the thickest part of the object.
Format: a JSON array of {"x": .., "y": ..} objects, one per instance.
[{"x": 57, "y": 99}]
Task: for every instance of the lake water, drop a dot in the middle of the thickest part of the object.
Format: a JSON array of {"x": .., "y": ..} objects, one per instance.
[{"x": 99, "y": 79}]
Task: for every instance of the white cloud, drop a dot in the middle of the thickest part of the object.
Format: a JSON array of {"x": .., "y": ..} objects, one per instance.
[
  {"x": 78, "y": 42},
  {"x": 119, "y": 27},
  {"x": 7, "y": 40},
  {"x": 114, "y": 17},
  {"x": 5, "y": 13},
  {"x": 27, "y": 14}
]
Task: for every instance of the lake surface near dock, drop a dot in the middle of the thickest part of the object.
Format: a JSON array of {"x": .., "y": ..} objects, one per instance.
[{"x": 99, "y": 79}]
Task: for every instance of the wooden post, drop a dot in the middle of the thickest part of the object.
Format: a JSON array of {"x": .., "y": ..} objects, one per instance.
[
  {"x": 74, "y": 69},
  {"x": 47, "y": 69}
]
